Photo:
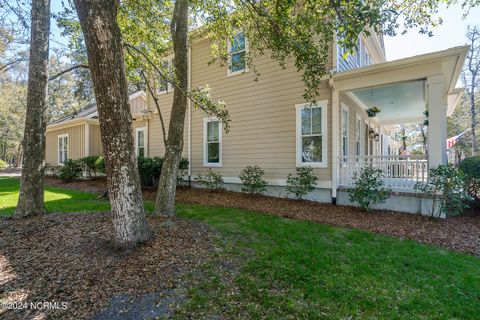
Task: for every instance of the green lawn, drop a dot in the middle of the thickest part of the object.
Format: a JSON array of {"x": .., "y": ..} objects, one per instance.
[
  {"x": 270, "y": 267},
  {"x": 56, "y": 199}
]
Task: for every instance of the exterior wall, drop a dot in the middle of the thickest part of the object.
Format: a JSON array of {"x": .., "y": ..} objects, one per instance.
[
  {"x": 76, "y": 143},
  {"x": 96, "y": 148},
  {"x": 156, "y": 147},
  {"x": 263, "y": 123},
  {"x": 354, "y": 109},
  {"x": 137, "y": 105}
]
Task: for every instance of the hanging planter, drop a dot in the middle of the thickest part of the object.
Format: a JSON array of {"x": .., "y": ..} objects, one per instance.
[
  {"x": 372, "y": 112},
  {"x": 425, "y": 122}
]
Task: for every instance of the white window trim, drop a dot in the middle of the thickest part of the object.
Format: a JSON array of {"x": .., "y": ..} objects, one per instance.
[
  {"x": 345, "y": 108},
  {"x": 62, "y": 136},
  {"x": 323, "y": 104},
  {"x": 229, "y": 50},
  {"x": 220, "y": 147},
  {"x": 145, "y": 140},
  {"x": 169, "y": 60},
  {"x": 358, "y": 121}
]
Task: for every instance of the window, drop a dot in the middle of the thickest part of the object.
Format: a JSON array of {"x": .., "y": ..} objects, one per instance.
[
  {"x": 312, "y": 134},
  {"x": 212, "y": 137},
  {"x": 345, "y": 118},
  {"x": 141, "y": 142},
  {"x": 358, "y": 125},
  {"x": 164, "y": 86},
  {"x": 237, "y": 54},
  {"x": 62, "y": 148}
]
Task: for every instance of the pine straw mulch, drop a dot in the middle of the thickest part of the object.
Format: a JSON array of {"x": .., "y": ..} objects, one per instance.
[
  {"x": 457, "y": 233},
  {"x": 69, "y": 258}
]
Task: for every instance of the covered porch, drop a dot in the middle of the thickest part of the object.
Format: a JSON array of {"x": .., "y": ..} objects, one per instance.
[{"x": 407, "y": 91}]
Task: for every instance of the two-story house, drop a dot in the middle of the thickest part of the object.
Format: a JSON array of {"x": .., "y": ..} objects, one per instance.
[{"x": 273, "y": 127}]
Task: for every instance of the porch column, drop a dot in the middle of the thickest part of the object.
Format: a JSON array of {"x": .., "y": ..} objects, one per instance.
[
  {"x": 437, "y": 122},
  {"x": 335, "y": 139}
]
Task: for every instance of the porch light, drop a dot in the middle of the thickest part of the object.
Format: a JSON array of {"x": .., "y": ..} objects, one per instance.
[
  {"x": 371, "y": 134},
  {"x": 377, "y": 137}
]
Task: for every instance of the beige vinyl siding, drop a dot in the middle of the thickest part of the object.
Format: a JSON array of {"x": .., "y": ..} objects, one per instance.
[
  {"x": 263, "y": 123},
  {"x": 95, "y": 140},
  {"x": 137, "y": 105},
  {"x": 156, "y": 146},
  {"x": 76, "y": 143}
]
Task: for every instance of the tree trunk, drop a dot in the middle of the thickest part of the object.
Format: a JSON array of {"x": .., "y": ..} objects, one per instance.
[
  {"x": 30, "y": 201},
  {"x": 106, "y": 61},
  {"x": 165, "y": 202}
]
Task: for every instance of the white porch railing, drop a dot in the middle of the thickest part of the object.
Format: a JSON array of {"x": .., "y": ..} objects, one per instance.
[{"x": 400, "y": 172}]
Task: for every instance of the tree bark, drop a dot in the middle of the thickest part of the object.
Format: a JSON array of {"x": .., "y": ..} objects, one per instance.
[
  {"x": 165, "y": 201},
  {"x": 106, "y": 61},
  {"x": 30, "y": 201}
]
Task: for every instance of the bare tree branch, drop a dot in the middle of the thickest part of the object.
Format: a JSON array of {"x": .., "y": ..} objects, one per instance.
[
  {"x": 155, "y": 99},
  {"x": 84, "y": 66}
]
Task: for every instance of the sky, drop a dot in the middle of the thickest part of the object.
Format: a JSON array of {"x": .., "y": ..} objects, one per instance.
[{"x": 450, "y": 34}]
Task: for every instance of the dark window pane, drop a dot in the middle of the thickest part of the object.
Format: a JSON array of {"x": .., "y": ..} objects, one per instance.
[
  {"x": 316, "y": 120},
  {"x": 238, "y": 43},
  {"x": 312, "y": 149},
  {"x": 306, "y": 121},
  {"x": 238, "y": 61},
  {"x": 213, "y": 152},
  {"x": 212, "y": 131}
]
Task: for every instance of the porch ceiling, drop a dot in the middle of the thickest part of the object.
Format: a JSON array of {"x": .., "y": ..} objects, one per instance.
[{"x": 399, "y": 103}]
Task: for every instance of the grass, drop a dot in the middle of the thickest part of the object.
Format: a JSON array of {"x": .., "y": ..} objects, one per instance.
[
  {"x": 56, "y": 199},
  {"x": 275, "y": 268}
]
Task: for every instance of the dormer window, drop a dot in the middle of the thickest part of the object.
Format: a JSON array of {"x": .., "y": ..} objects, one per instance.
[{"x": 237, "y": 50}]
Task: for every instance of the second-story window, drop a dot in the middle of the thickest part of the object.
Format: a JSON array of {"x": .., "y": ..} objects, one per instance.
[{"x": 237, "y": 54}]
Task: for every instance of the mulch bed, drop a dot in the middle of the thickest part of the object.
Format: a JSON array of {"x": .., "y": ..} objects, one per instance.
[
  {"x": 457, "y": 233},
  {"x": 69, "y": 258}
]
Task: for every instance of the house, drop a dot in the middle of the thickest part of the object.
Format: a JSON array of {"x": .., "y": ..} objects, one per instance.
[
  {"x": 78, "y": 135},
  {"x": 273, "y": 127}
]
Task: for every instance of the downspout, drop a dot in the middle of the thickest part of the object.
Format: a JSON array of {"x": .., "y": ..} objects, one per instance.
[
  {"x": 147, "y": 120},
  {"x": 335, "y": 110},
  {"x": 189, "y": 84}
]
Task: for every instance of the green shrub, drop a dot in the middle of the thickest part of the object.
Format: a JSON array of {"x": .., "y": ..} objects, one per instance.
[
  {"x": 303, "y": 183},
  {"x": 182, "y": 170},
  {"x": 252, "y": 180},
  {"x": 71, "y": 170},
  {"x": 368, "y": 188},
  {"x": 89, "y": 165},
  {"x": 212, "y": 181},
  {"x": 471, "y": 170},
  {"x": 100, "y": 164},
  {"x": 52, "y": 171},
  {"x": 446, "y": 187},
  {"x": 148, "y": 168},
  {"x": 3, "y": 165}
]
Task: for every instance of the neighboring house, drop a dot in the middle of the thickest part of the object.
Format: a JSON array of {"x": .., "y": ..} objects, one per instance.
[
  {"x": 273, "y": 127},
  {"x": 78, "y": 135}
]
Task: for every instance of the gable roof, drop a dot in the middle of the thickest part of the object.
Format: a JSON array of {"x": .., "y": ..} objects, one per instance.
[{"x": 90, "y": 111}]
